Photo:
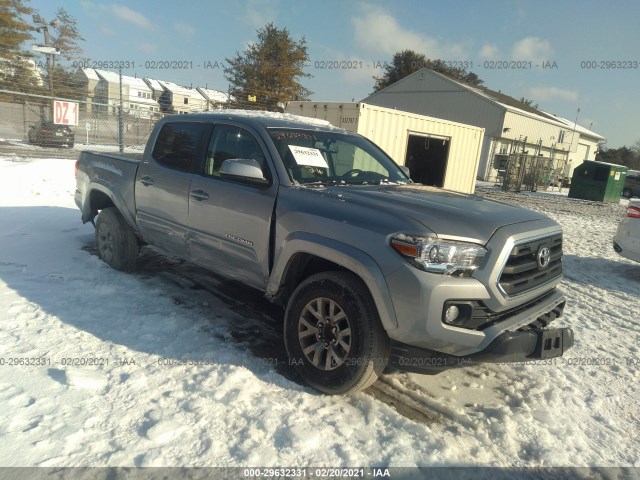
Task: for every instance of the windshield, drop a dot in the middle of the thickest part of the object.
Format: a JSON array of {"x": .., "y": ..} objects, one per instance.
[{"x": 318, "y": 158}]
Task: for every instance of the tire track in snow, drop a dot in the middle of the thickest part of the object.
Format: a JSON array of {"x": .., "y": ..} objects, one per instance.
[{"x": 260, "y": 328}]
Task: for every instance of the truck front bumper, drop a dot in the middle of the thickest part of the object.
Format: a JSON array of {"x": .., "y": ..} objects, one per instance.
[{"x": 518, "y": 346}]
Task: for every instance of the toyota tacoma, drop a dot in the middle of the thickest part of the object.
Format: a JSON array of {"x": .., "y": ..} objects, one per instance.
[{"x": 370, "y": 268}]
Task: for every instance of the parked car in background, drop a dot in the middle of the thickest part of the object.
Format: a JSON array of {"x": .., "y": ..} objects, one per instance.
[
  {"x": 631, "y": 184},
  {"x": 627, "y": 239},
  {"x": 48, "y": 134}
]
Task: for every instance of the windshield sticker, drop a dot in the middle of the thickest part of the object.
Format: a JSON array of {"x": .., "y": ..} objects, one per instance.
[{"x": 308, "y": 157}]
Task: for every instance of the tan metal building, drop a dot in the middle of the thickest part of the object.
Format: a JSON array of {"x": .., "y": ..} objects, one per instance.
[{"x": 438, "y": 152}]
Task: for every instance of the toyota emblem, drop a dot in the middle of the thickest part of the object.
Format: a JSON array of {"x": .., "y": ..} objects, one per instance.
[{"x": 544, "y": 257}]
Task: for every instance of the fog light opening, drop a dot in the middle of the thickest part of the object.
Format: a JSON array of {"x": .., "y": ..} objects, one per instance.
[
  {"x": 457, "y": 314},
  {"x": 451, "y": 314}
]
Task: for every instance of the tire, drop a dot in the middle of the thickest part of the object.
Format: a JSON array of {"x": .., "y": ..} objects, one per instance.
[
  {"x": 346, "y": 349},
  {"x": 116, "y": 241},
  {"x": 626, "y": 193}
]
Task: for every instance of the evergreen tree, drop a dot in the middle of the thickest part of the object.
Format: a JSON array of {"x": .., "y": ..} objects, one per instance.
[
  {"x": 404, "y": 63},
  {"x": 14, "y": 31},
  {"x": 629, "y": 157},
  {"x": 65, "y": 85},
  {"x": 66, "y": 36},
  {"x": 63, "y": 34},
  {"x": 16, "y": 70},
  {"x": 267, "y": 72},
  {"x": 528, "y": 102},
  {"x": 408, "y": 61},
  {"x": 21, "y": 70}
]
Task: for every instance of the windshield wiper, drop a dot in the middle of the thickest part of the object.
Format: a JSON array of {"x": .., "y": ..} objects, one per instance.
[
  {"x": 386, "y": 181},
  {"x": 322, "y": 183}
]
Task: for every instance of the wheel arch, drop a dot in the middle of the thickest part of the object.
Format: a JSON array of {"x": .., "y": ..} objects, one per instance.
[
  {"x": 304, "y": 254},
  {"x": 100, "y": 196}
]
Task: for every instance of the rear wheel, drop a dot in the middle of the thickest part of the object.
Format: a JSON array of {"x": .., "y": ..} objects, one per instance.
[
  {"x": 333, "y": 334},
  {"x": 116, "y": 241}
]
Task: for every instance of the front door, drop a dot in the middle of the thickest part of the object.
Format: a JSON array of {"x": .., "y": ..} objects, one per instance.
[{"x": 230, "y": 221}]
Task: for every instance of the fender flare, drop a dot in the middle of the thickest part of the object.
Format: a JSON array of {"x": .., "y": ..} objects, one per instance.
[
  {"x": 345, "y": 255},
  {"x": 116, "y": 198}
]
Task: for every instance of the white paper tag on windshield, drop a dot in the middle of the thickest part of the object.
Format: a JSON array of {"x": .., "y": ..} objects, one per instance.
[{"x": 308, "y": 157}]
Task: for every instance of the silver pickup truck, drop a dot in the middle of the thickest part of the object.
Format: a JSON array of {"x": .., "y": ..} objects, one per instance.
[{"x": 371, "y": 268}]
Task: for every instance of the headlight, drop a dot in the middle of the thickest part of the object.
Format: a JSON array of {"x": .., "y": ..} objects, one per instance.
[{"x": 439, "y": 256}]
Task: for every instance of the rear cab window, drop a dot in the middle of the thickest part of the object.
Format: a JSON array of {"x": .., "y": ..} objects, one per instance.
[{"x": 178, "y": 144}]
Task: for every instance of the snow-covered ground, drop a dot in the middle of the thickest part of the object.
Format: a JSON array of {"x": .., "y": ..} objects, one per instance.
[{"x": 90, "y": 373}]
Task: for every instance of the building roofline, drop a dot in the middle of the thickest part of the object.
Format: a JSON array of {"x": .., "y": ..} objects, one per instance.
[{"x": 486, "y": 95}]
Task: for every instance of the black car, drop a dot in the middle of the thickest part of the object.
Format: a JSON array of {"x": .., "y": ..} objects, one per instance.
[
  {"x": 631, "y": 184},
  {"x": 48, "y": 134}
]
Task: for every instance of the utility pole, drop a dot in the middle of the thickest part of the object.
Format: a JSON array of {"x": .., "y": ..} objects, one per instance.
[
  {"x": 43, "y": 26},
  {"x": 120, "y": 119}
]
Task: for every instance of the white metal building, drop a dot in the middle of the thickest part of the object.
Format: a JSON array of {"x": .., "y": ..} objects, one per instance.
[
  {"x": 438, "y": 152},
  {"x": 507, "y": 122}
]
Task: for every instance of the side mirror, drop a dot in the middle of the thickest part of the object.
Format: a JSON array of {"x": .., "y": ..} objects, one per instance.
[
  {"x": 406, "y": 170},
  {"x": 243, "y": 170}
]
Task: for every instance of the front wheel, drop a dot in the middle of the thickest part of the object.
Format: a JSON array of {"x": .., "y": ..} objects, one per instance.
[
  {"x": 333, "y": 333},
  {"x": 116, "y": 241}
]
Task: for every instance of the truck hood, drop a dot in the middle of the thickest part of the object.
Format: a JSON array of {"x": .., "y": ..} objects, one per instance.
[{"x": 446, "y": 213}]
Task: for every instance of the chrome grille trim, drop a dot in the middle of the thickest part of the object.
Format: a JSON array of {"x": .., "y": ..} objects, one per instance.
[{"x": 520, "y": 274}]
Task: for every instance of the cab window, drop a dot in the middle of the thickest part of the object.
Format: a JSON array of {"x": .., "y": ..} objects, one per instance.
[
  {"x": 228, "y": 142},
  {"x": 176, "y": 145}
]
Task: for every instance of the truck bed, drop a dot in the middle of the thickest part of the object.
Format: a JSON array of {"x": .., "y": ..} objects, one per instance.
[{"x": 113, "y": 175}]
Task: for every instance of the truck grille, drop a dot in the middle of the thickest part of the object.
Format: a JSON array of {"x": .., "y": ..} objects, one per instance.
[{"x": 523, "y": 271}]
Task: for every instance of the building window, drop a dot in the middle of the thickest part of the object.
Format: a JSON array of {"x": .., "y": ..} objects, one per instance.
[
  {"x": 186, "y": 100},
  {"x": 561, "y": 136}
]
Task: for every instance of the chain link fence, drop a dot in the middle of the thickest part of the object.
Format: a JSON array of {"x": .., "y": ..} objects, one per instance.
[
  {"x": 100, "y": 126},
  {"x": 111, "y": 112},
  {"x": 25, "y": 128}
]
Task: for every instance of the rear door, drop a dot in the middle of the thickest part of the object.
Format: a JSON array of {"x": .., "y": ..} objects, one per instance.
[
  {"x": 230, "y": 221},
  {"x": 162, "y": 185}
]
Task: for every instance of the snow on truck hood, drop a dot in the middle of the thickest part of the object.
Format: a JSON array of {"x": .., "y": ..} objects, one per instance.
[{"x": 444, "y": 212}]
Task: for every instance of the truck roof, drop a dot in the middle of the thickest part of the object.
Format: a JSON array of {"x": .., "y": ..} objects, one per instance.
[{"x": 261, "y": 118}]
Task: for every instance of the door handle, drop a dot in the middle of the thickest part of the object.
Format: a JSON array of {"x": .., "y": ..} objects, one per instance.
[
  {"x": 147, "y": 180},
  {"x": 199, "y": 194}
]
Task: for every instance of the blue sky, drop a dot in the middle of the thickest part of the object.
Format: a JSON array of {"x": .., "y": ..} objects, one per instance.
[{"x": 567, "y": 33}]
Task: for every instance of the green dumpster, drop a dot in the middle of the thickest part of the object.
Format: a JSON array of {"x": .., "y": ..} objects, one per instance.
[{"x": 598, "y": 181}]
